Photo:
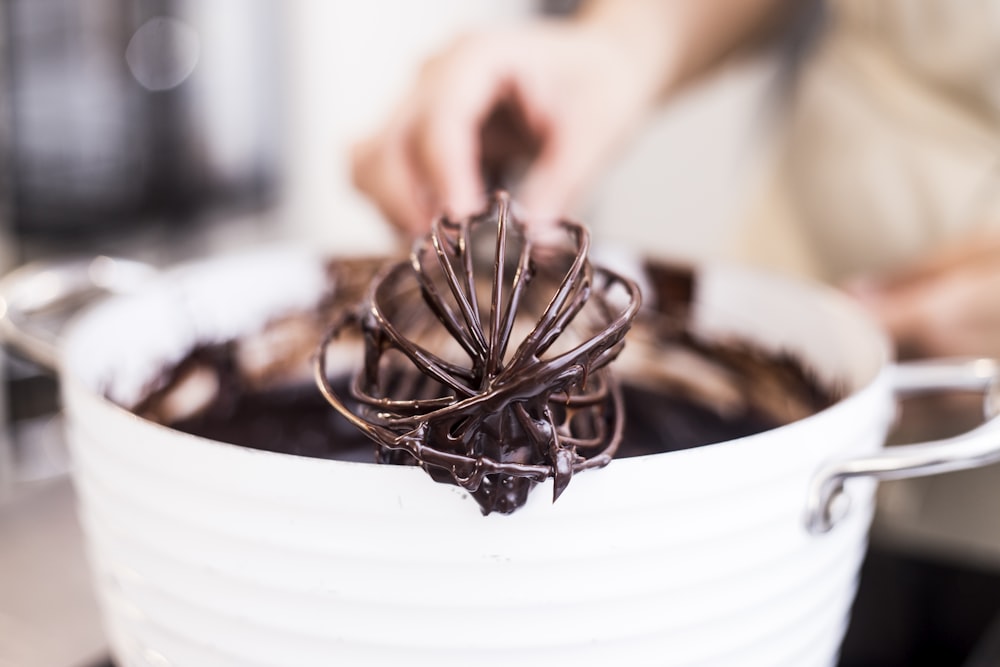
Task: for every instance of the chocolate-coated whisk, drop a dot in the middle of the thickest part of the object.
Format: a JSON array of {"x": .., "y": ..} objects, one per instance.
[{"x": 483, "y": 407}]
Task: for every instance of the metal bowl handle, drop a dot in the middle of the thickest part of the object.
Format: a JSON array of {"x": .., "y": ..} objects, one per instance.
[
  {"x": 827, "y": 503},
  {"x": 33, "y": 289}
]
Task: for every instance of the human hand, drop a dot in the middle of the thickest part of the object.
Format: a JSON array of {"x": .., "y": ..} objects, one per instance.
[
  {"x": 575, "y": 88},
  {"x": 571, "y": 92},
  {"x": 946, "y": 304}
]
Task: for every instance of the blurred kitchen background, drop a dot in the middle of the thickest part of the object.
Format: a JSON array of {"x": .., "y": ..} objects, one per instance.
[
  {"x": 172, "y": 119},
  {"x": 166, "y": 130}
]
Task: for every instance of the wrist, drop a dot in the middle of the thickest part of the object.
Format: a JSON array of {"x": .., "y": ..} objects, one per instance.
[
  {"x": 639, "y": 31},
  {"x": 674, "y": 41}
]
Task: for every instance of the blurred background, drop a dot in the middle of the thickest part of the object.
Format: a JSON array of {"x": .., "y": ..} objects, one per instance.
[
  {"x": 159, "y": 119},
  {"x": 166, "y": 130}
]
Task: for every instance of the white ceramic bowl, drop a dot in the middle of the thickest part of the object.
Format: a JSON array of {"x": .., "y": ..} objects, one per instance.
[{"x": 739, "y": 553}]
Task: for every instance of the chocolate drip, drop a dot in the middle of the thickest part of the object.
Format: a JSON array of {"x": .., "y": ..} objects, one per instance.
[{"x": 450, "y": 383}]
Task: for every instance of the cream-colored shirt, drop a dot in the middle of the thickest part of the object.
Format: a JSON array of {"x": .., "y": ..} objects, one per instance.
[
  {"x": 892, "y": 143},
  {"x": 891, "y": 149}
]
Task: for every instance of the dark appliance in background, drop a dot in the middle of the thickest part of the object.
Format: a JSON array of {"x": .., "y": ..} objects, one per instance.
[
  {"x": 128, "y": 127},
  {"x": 129, "y": 114}
]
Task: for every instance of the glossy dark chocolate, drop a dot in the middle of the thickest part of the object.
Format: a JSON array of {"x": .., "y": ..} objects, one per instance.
[
  {"x": 492, "y": 374},
  {"x": 662, "y": 414},
  {"x": 297, "y": 420}
]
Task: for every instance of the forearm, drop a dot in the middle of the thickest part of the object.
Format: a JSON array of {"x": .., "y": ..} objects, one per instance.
[{"x": 676, "y": 41}]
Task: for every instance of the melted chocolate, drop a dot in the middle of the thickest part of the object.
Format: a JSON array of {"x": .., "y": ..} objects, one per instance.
[
  {"x": 492, "y": 383},
  {"x": 291, "y": 420},
  {"x": 297, "y": 420},
  {"x": 661, "y": 414}
]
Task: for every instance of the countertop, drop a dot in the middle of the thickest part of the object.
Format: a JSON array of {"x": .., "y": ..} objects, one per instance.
[{"x": 48, "y": 613}]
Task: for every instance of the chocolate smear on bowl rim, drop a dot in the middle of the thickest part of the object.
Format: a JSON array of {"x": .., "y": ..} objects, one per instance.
[{"x": 491, "y": 375}]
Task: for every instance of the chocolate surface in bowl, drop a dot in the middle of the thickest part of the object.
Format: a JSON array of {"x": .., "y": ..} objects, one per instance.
[
  {"x": 297, "y": 420},
  {"x": 680, "y": 391}
]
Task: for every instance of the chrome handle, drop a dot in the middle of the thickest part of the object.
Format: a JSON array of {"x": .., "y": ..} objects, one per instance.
[
  {"x": 981, "y": 446},
  {"x": 34, "y": 289}
]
